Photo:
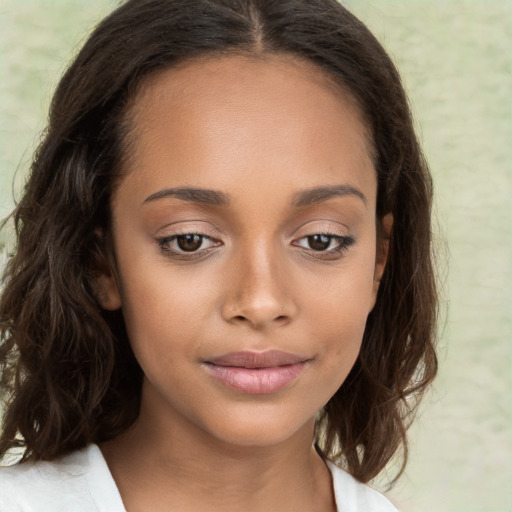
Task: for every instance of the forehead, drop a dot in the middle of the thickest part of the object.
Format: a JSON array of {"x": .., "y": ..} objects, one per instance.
[
  {"x": 222, "y": 118},
  {"x": 244, "y": 81}
]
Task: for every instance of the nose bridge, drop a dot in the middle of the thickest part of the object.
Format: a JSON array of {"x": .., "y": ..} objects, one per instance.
[{"x": 258, "y": 290}]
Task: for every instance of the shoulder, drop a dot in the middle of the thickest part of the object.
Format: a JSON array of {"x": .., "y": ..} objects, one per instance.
[
  {"x": 60, "y": 485},
  {"x": 353, "y": 496}
]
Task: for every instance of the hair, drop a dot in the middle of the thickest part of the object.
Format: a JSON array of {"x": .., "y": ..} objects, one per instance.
[{"x": 69, "y": 376}]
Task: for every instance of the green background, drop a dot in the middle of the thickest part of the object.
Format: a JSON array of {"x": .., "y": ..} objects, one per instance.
[{"x": 456, "y": 60}]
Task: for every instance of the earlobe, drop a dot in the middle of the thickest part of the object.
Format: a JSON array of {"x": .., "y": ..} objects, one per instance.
[{"x": 381, "y": 256}]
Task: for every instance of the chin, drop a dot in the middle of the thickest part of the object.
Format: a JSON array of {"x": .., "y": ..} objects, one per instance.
[{"x": 257, "y": 429}]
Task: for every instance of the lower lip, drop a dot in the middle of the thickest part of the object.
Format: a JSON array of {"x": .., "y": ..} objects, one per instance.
[{"x": 256, "y": 381}]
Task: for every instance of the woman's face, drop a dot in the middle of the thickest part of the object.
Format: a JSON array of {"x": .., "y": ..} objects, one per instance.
[{"x": 245, "y": 241}]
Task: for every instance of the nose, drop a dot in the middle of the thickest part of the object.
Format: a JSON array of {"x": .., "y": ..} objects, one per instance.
[{"x": 259, "y": 289}]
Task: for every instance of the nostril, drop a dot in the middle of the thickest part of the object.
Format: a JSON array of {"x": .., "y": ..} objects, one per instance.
[{"x": 244, "y": 318}]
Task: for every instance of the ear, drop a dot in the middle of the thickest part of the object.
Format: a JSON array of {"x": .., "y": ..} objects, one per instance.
[
  {"x": 104, "y": 275},
  {"x": 384, "y": 230},
  {"x": 107, "y": 291}
]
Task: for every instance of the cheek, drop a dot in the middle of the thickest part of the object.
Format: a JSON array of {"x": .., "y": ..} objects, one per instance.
[
  {"x": 341, "y": 327},
  {"x": 165, "y": 309},
  {"x": 338, "y": 314},
  {"x": 344, "y": 298}
]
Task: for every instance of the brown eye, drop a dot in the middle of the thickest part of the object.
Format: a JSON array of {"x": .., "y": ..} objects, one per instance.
[
  {"x": 187, "y": 246},
  {"x": 326, "y": 245},
  {"x": 189, "y": 242},
  {"x": 319, "y": 242}
]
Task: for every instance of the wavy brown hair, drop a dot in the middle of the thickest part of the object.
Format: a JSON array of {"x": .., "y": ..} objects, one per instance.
[{"x": 69, "y": 377}]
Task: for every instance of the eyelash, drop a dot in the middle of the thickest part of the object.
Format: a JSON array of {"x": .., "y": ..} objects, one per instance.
[{"x": 344, "y": 243}]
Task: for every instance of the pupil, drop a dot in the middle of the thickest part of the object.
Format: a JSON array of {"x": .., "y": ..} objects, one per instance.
[
  {"x": 319, "y": 242},
  {"x": 189, "y": 242}
]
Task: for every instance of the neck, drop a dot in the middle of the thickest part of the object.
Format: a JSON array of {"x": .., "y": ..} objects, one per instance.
[{"x": 158, "y": 463}]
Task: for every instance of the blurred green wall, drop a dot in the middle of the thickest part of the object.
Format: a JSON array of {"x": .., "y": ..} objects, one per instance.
[{"x": 456, "y": 60}]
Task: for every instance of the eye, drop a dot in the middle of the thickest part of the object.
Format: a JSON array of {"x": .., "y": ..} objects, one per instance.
[
  {"x": 326, "y": 243},
  {"x": 187, "y": 245}
]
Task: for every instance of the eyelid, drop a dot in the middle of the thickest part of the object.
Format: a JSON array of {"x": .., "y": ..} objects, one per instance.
[
  {"x": 339, "y": 233},
  {"x": 322, "y": 227},
  {"x": 185, "y": 228}
]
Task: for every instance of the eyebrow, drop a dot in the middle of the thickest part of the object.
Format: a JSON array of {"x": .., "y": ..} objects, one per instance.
[
  {"x": 320, "y": 194},
  {"x": 194, "y": 195},
  {"x": 300, "y": 199}
]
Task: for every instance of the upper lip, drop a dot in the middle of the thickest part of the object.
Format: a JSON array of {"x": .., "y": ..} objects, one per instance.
[{"x": 249, "y": 359}]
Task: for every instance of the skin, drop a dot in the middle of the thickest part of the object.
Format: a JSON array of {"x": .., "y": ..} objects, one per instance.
[{"x": 260, "y": 130}]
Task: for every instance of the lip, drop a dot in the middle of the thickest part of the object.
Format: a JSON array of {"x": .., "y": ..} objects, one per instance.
[{"x": 257, "y": 373}]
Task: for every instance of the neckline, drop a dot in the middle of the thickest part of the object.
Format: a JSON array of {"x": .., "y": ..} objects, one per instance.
[{"x": 102, "y": 486}]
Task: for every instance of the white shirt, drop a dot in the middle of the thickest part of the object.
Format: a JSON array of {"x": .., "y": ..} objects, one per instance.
[{"x": 82, "y": 482}]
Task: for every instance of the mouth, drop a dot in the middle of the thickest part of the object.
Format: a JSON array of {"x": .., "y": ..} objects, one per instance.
[{"x": 257, "y": 372}]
